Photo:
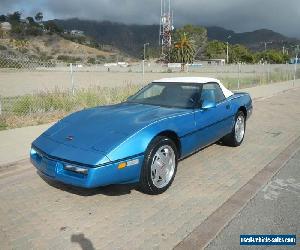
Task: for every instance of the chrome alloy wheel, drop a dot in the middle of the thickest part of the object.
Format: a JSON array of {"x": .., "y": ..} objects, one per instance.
[
  {"x": 239, "y": 128},
  {"x": 163, "y": 166}
]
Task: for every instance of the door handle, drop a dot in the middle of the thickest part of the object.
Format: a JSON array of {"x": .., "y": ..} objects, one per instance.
[{"x": 228, "y": 106}]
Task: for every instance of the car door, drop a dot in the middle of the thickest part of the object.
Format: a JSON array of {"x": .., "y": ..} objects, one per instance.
[{"x": 214, "y": 122}]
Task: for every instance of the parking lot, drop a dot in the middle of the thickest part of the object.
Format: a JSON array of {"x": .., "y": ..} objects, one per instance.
[{"x": 37, "y": 214}]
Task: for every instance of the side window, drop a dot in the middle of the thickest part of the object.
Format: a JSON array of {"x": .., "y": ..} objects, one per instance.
[{"x": 212, "y": 92}]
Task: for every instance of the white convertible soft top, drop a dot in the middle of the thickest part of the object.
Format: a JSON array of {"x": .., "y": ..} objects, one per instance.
[{"x": 226, "y": 91}]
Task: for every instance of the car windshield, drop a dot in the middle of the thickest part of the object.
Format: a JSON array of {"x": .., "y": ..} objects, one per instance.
[{"x": 179, "y": 95}]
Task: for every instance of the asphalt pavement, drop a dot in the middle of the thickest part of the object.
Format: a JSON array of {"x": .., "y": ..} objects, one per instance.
[{"x": 274, "y": 210}]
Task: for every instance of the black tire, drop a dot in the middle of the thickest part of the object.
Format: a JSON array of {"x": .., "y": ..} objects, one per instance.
[
  {"x": 146, "y": 183},
  {"x": 231, "y": 139}
]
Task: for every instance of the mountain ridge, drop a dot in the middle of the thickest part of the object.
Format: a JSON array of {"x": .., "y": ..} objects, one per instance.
[{"x": 131, "y": 37}]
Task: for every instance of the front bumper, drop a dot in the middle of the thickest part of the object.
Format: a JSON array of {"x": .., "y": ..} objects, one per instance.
[{"x": 85, "y": 176}]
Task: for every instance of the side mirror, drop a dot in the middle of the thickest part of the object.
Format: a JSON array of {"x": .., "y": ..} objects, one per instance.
[{"x": 208, "y": 104}]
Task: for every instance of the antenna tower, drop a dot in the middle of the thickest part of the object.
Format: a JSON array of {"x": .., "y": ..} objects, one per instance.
[{"x": 166, "y": 27}]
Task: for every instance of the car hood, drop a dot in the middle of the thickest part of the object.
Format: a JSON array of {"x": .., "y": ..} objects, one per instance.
[{"x": 104, "y": 128}]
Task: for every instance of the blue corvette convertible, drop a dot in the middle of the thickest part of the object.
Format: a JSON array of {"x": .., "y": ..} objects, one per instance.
[{"x": 142, "y": 139}]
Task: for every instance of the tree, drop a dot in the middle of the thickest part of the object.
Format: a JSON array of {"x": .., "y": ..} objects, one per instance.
[
  {"x": 30, "y": 20},
  {"x": 197, "y": 33},
  {"x": 183, "y": 50},
  {"x": 14, "y": 17},
  {"x": 52, "y": 27},
  {"x": 39, "y": 17},
  {"x": 239, "y": 53},
  {"x": 17, "y": 30},
  {"x": 33, "y": 30},
  {"x": 272, "y": 56},
  {"x": 3, "y": 18},
  {"x": 215, "y": 50}
]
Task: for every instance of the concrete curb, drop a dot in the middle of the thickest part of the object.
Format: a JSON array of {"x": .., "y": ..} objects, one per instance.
[{"x": 217, "y": 221}]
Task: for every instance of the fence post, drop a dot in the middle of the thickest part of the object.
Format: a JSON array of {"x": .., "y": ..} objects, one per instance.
[
  {"x": 239, "y": 70},
  {"x": 143, "y": 70},
  {"x": 268, "y": 70},
  {"x": 72, "y": 79},
  {"x": 295, "y": 70}
]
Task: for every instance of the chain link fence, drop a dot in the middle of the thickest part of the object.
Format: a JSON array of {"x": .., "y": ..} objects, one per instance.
[
  {"x": 24, "y": 63},
  {"x": 35, "y": 91}
]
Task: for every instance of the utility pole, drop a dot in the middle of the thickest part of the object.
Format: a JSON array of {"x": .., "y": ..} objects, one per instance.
[
  {"x": 146, "y": 44},
  {"x": 227, "y": 53},
  {"x": 239, "y": 71},
  {"x": 295, "y": 72},
  {"x": 227, "y": 50},
  {"x": 72, "y": 79},
  {"x": 144, "y": 58}
]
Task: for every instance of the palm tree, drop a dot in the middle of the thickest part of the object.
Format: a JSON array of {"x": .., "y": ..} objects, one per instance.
[
  {"x": 39, "y": 17},
  {"x": 183, "y": 50}
]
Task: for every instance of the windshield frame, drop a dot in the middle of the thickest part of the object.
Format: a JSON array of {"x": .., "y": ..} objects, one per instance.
[{"x": 196, "y": 104}]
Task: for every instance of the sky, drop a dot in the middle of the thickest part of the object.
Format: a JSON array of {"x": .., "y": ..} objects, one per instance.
[{"x": 239, "y": 15}]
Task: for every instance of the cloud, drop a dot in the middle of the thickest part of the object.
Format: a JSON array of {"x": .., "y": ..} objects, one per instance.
[
  {"x": 26, "y": 7},
  {"x": 239, "y": 15}
]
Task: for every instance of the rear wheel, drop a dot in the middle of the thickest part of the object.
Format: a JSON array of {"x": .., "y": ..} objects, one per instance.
[
  {"x": 236, "y": 137},
  {"x": 160, "y": 166}
]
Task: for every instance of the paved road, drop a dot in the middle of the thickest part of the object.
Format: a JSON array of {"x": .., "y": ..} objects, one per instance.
[
  {"x": 274, "y": 210},
  {"x": 36, "y": 214}
]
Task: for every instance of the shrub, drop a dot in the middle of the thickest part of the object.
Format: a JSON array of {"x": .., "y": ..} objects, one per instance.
[
  {"x": 3, "y": 124},
  {"x": 69, "y": 59},
  {"x": 91, "y": 60}
]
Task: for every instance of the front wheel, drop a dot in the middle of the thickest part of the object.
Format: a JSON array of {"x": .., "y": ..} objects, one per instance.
[
  {"x": 160, "y": 166},
  {"x": 236, "y": 137}
]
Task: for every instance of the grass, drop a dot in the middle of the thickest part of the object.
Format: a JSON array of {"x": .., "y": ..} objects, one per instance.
[
  {"x": 48, "y": 106},
  {"x": 258, "y": 79}
]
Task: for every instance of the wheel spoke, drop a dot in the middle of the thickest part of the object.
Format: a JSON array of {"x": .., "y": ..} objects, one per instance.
[
  {"x": 155, "y": 172},
  {"x": 163, "y": 158},
  {"x": 239, "y": 128},
  {"x": 163, "y": 165}
]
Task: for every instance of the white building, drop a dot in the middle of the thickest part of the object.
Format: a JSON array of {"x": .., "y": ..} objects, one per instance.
[
  {"x": 76, "y": 32},
  {"x": 5, "y": 26},
  {"x": 216, "y": 61}
]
